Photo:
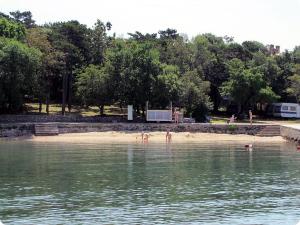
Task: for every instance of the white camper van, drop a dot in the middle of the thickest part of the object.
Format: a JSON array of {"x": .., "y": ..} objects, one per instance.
[{"x": 285, "y": 110}]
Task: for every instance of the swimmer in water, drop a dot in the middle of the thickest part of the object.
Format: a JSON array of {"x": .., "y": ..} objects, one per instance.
[{"x": 249, "y": 147}]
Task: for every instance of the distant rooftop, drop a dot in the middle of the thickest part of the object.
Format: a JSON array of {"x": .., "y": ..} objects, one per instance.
[{"x": 273, "y": 50}]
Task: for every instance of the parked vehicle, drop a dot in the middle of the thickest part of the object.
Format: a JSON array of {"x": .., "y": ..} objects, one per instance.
[{"x": 285, "y": 110}]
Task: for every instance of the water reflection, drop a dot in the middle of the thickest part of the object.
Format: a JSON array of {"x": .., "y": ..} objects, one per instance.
[{"x": 153, "y": 183}]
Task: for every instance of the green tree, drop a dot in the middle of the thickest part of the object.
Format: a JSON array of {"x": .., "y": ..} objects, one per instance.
[
  {"x": 19, "y": 65},
  {"x": 24, "y": 18},
  {"x": 294, "y": 84},
  {"x": 138, "y": 36},
  {"x": 98, "y": 41},
  {"x": 52, "y": 64},
  {"x": 194, "y": 95},
  {"x": 254, "y": 47},
  {"x": 174, "y": 49},
  {"x": 286, "y": 64},
  {"x": 237, "y": 51},
  {"x": 272, "y": 73},
  {"x": 296, "y": 55},
  {"x": 118, "y": 59},
  {"x": 134, "y": 67},
  {"x": 10, "y": 29},
  {"x": 246, "y": 86},
  {"x": 209, "y": 60},
  {"x": 4, "y": 15},
  {"x": 166, "y": 87},
  {"x": 71, "y": 38},
  {"x": 93, "y": 87}
]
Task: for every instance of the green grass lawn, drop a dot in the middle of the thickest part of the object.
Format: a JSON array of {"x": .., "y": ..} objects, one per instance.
[{"x": 218, "y": 120}]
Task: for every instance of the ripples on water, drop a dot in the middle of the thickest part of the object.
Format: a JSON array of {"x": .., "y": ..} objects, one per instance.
[{"x": 151, "y": 184}]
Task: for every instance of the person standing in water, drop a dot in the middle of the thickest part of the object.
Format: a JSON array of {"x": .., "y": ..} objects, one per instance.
[
  {"x": 146, "y": 138},
  {"x": 142, "y": 136},
  {"x": 250, "y": 117},
  {"x": 168, "y": 136}
]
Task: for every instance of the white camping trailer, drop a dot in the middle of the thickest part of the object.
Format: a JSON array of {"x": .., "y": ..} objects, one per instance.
[{"x": 285, "y": 110}]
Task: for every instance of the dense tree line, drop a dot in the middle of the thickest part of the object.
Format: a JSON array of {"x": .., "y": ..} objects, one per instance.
[{"x": 71, "y": 64}]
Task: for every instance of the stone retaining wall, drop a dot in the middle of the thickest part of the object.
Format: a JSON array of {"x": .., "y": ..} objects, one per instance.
[
  {"x": 290, "y": 133},
  {"x": 21, "y": 129},
  {"x": 138, "y": 127},
  {"x": 16, "y": 130}
]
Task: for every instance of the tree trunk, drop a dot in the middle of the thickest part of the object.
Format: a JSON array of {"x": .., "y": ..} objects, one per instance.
[
  {"x": 101, "y": 108},
  {"x": 121, "y": 107},
  {"x": 64, "y": 95},
  {"x": 216, "y": 98},
  {"x": 47, "y": 103},
  {"x": 40, "y": 105},
  {"x": 246, "y": 104},
  {"x": 143, "y": 111},
  {"x": 70, "y": 78},
  {"x": 239, "y": 108}
]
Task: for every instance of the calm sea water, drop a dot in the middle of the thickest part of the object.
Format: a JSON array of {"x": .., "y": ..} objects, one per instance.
[{"x": 148, "y": 184}]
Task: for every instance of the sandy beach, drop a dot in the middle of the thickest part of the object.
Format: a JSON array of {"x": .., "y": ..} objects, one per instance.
[{"x": 154, "y": 137}]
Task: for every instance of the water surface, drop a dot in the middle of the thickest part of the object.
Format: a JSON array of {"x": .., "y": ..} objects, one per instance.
[{"x": 217, "y": 183}]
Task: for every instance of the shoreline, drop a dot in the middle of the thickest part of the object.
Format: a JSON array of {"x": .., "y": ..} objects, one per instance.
[
  {"x": 154, "y": 137},
  {"x": 28, "y": 129}
]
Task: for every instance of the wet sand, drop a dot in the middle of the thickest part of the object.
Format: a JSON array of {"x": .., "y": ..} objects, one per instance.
[{"x": 155, "y": 137}]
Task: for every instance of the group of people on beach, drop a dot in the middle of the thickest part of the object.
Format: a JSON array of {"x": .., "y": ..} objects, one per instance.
[{"x": 145, "y": 137}]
